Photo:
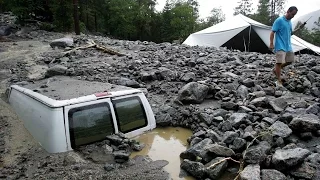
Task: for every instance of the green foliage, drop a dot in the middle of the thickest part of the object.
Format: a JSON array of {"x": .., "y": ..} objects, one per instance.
[
  {"x": 244, "y": 7},
  {"x": 311, "y": 36},
  {"x": 62, "y": 15},
  {"x": 263, "y": 13},
  {"x": 216, "y": 16}
]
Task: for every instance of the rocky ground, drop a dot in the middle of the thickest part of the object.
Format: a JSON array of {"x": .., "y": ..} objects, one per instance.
[{"x": 241, "y": 122}]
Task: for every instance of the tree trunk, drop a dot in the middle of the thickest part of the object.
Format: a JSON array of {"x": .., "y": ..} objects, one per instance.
[
  {"x": 76, "y": 17},
  {"x": 95, "y": 21}
]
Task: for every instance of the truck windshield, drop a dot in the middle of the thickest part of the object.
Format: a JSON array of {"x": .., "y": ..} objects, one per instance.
[
  {"x": 130, "y": 114},
  {"x": 89, "y": 124}
]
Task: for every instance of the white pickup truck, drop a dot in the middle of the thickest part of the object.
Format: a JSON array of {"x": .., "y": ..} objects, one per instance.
[{"x": 63, "y": 113}]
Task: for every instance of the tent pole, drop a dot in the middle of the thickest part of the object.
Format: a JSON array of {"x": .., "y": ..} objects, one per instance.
[
  {"x": 244, "y": 44},
  {"x": 249, "y": 38}
]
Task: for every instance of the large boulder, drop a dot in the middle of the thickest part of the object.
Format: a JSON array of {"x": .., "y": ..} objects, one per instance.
[
  {"x": 193, "y": 93},
  {"x": 286, "y": 158},
  {"x": 62, "y": 42},
  {"x": 305, "y": 123}
]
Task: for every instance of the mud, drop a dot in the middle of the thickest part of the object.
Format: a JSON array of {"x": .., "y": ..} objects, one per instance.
[{"x": 166, "y": 144}]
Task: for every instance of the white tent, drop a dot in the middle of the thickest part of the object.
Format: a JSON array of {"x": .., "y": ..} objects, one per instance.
[{"x": 242, "y": 33}]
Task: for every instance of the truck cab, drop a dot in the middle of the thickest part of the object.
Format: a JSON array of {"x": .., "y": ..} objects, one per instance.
[{"x": 63, "y": 113}]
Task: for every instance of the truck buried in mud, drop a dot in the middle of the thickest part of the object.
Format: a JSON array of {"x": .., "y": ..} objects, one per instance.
[{"x": 63, "y": 113}]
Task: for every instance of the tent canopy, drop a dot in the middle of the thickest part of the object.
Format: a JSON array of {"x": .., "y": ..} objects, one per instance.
[{"x": 242, "y": 33}]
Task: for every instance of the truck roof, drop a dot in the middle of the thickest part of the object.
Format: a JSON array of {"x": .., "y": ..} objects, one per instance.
[{"x": 63, "y": 90}]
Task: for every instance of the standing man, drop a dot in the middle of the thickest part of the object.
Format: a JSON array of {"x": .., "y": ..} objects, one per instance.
[{"x": 282, "y": 27}]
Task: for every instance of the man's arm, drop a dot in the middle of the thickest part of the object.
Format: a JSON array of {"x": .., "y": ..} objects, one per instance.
[{"x": 271, "y": 40}]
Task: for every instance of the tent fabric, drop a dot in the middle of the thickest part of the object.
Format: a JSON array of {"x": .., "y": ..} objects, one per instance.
[{"x": 250, "y": 33}]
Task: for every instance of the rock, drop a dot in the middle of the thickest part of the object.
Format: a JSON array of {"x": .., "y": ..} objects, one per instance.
[
  {"x": 229, "y": 137},
  {"x": 188, "y": 77},
  {"x": 280, "y": 129},
  {"x": 306, "y": 135},
  {"x": 242, "y": 92},
  {"x": 137, "y": 147},
  {"x": 305, "y": 171},
  {"x": 217, "y": 150},
  {"x": 206, "y": 118},
  {"x": 229, "y": 105},
  {"x": 278, "y": 105},
  {"x": 115, "y": 139},
  {"x": 109, "y": 167},
  {"x": 73, "y": 158},
  {"x": 305, "y": 123},
  {"x": 286, "y": 158},
  {"x": 193, "y": 93},
  {"x": 195, "y": 141},
  {"x": 248, "y": 82},
  {"x": 268, "y": 120},
  {"x": 238, "y": 144},
  {"x": 121, "y": 156},
  {"x": 163, "y": 119},
  {"x": 125, "y": 82},
  {"x": 62, "y": 43},
  {"x": 196, "y": 169},
  {"x": 259, "y": 102},
  {"x": 216, "y": 171},
  {"x": 56, "y": 70},
  {"x": 198, "y": 150},
  {"x": 238, "y": 118},
  {"x": 167, "y": 74},
  {"x": 250, "y": 172},
  {"x": 272, "y": 174},
  {"x": 313, "y": 109},
  {"x": 257, "y": 154},
  {"x": 316, "y": 69}
]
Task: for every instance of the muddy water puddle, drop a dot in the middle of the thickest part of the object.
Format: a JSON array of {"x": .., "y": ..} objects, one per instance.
[{"x": 166, "y": 144}]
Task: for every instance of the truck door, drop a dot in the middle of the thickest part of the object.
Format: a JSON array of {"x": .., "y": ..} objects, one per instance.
[{"x": 89, "y": 122}]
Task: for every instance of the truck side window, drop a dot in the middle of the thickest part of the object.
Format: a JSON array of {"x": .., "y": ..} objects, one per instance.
[
  {"x": 89, "y": 124},
  {"x": 130, "y": 114}
]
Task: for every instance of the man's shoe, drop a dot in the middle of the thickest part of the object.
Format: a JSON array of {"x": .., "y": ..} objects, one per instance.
[{"x": 278, "y": 84}]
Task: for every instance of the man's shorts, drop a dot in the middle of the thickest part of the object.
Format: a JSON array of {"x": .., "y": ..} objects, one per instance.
[{"x": 282, "y": 57}]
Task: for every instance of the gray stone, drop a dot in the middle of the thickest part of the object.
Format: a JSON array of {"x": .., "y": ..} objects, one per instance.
[
  {"x": 238, "y": 118},
  {"x": 257, "y": 154},
  {"x": 305, "y": 123},
  {"x": 242, "y": 92},
  {"x": 229, "y": 105},
  {"x": 268, "y": 120},
  {"x": 121, "y": 156},
  {"x": 259, "y": 102},
  {"x": 62, "y": 42},
  {"x": 238, "y": 144},
  {"x": 286, "y": 158},
  {"x": 250, "y": 172},
  {"x": 229, "y": 136},
  {"x": 217, "y": 150},
  {"x": 316, "y": 69},
  {"x": 196, "y": 169},
  {"x": 198, "y": 150},
  {"x": 248, "y": 82},
  {"x": 313, "y": 109},
  {"x": 278, "y": 105},
  {"x": 305, "y": 171},
  {"x": 272, "y": 174},
  {"x": 214, "y": 172},
  {"x": 280, "y": 129},
  {"x": 193, "y": 93},
  {"x": 56, "y": 70},
  {"x": 163, "y": 119},
  {"x": 188, "y": 77}
]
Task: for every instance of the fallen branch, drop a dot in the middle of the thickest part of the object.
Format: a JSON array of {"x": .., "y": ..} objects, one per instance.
[
  {"x": 222, "y": 160},
  {"x": 92, "y": 44}
]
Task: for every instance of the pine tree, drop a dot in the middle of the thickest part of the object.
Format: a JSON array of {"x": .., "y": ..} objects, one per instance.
[{"x": 244, "y": 7}]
